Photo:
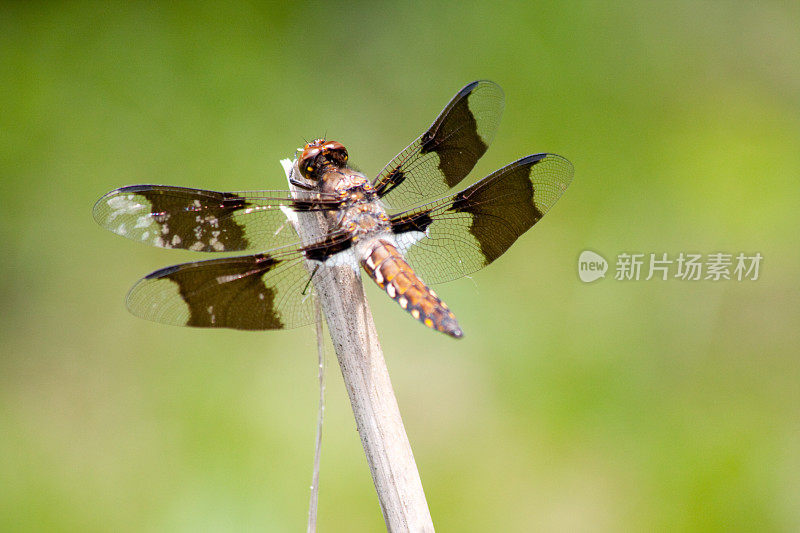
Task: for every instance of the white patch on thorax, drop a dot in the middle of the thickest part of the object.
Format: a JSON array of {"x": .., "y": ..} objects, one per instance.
[
  {"x": 343, "y": 258},
  {"x": 404, "y": 241}
]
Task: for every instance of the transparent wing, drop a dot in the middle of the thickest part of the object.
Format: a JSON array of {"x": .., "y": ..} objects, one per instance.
[
  {"x": 459, "y": 234},
  {"x": 255, "y": 292},
  {"x": 204, "y": 221},
  {"x": 443, "y": 156}
]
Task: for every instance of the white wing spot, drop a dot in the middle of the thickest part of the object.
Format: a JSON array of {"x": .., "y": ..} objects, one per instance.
[
  {"x": 123, "y": 206},
  {"x": 214, "y": 242},
  {"x": 143, "y": 221}
]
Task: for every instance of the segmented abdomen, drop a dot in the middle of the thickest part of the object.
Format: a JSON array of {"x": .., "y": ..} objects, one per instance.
[{"x": 390, "y": 271}]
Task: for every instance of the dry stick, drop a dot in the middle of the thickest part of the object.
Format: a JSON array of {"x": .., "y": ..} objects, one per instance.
[{"x": 366, "y": 378}]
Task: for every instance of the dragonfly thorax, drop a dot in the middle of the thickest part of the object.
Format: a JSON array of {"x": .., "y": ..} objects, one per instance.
[{"x": 365, "y": 219}]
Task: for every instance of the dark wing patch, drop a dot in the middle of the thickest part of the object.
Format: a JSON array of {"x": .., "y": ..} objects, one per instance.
[
  {"x": 227, "y": 293},
  {"x": 203, "y": 221},
  {"x": 443, "y": 156},
  {"x": 462, "y": 233},
  {"x": 256, "y": 292},
  {"x": 330, "y": 245}
]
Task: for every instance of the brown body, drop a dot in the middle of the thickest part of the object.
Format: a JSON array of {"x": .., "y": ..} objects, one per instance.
[
  {"x": 366, "y": 220},
  {"x": 387, "y": 267}
]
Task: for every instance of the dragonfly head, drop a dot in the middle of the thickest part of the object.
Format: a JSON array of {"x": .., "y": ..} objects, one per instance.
[{"x": 319, "y": 154}]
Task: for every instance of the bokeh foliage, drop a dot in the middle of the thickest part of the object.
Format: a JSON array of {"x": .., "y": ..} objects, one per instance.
[{"x": 567, "y": 407}]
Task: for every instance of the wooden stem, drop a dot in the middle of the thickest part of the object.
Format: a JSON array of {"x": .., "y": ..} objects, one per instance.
[{"x": 366, "y": 378}]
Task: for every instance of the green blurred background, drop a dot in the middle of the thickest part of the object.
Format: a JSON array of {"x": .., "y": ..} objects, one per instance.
[{"x": 660, "y": 405}]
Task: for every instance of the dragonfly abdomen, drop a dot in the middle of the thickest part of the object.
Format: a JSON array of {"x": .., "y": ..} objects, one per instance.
[{"x": 387, "y": 267}]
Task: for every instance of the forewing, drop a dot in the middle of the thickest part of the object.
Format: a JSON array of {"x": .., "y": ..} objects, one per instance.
[
  {"x": 443, "y": 156},
  {"x": 203, "y": 221},
  {"x": 459, "y": 234}
]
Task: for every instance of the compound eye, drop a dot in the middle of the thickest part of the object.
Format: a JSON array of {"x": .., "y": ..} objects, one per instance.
[
  {"x": 308, "y": 161},
  {"x": 306, "y": 169}
]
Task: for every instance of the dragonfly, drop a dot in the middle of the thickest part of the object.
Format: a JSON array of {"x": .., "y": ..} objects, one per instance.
[{"x": 401, "y": 227}]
